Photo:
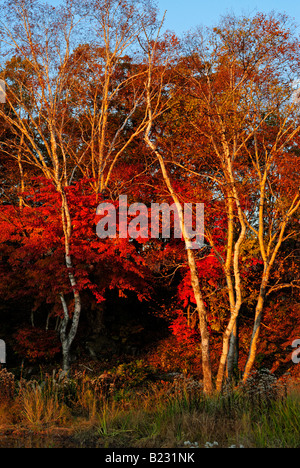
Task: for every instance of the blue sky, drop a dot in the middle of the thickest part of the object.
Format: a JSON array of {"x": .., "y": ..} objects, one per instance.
[{"x": 183, "y": 15}]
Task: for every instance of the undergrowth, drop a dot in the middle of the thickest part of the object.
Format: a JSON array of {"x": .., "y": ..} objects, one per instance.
[{"x": 126, "y": 408}]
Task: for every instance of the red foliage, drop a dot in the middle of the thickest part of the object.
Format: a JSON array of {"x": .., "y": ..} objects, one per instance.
[
  {"x": 182, "y": 331},
  {"x": 36, "y": 343},
  {"x": 32, "y": 242},
  {"x": 209, "y": 271},
  {"x": 172, "y": 356}
]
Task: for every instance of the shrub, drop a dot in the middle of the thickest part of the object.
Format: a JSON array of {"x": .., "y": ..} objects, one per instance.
[
  {"x": 7, "y": 384},
  {"x": 37, "y": 344}
]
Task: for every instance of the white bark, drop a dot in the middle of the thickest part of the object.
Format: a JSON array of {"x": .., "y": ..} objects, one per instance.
[{"x": 206, "y": 364}]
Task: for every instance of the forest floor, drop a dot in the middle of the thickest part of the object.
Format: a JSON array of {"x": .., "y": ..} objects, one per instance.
[{"x": 130, "y": 407}]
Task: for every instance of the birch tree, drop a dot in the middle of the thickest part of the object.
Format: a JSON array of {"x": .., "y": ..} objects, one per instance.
[
  {"x": 44, "y": 38},
  {"x": 107, "y": 77},
  {"x": 246, "y": 68},
  {"x": 156, "y": 106},
  {"x": 278, "y": 206},
  {"x": 236, "y": 79}
]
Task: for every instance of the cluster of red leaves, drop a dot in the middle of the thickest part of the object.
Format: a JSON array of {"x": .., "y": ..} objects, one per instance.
[
  {"x": 32, "y": 242},
  {"x": 182, "y": 331},
  {"x": 209, "y": 271},
  {"x": 35, "y": 344}
]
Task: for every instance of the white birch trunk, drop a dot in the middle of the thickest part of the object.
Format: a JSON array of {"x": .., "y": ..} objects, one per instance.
[
  {"x": 205, "y": 344},
  {"x": 67, "y": 337}
]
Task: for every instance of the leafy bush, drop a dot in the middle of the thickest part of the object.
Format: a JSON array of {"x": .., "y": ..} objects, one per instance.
[
  {"x": 132, "y": 374},
  {"x": 37, "y": 344}
]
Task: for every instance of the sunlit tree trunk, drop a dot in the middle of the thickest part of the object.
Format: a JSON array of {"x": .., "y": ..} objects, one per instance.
[
  {"x": 201, "y": 309},
  {"x": 269, "y": 251},
  {"x": 256, "y": 327}
]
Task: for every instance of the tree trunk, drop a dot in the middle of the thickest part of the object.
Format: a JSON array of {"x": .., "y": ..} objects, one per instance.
[
  {"x": 205, "y": 348},
  {"x": 233, "y": 355},
  {"x": 66, "y": 358},
  {"x": 205, "y": 342},
  {"x": 67, "y": 337},
  {"x": 230, "y": 335},
  {"x": 256, "y": 328},
  {"x": 63, "y": 337},
  {"x": 225, "y": 349},
  {"x": 234, "y": 288}
]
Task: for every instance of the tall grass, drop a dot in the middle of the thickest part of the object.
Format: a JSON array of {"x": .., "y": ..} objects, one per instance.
[
  {"x": 280, "y": 426},
  {"x": 156, "y": 414},
  {"x": 40, "y": 408}
]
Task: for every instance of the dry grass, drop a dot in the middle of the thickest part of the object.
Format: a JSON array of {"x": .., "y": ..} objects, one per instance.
[
  {"x": 40, "y": 410},
  {"x": 158, "y": 414}
]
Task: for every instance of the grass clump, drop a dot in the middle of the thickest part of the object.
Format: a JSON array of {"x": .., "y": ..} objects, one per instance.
[
  {"x": 41, "y": 409},
  {"x": 279, "y": 427}
]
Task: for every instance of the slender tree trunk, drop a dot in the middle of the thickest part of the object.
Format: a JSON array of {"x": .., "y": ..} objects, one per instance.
[
  {"x": 233, "y": 354},
  {"x": 256, "y": 327},
  {"x": 231, "y": 296},
  {"x": 205, "y": 342},
  {"x": 235, "y": 292},
  {"x": 64, "y": 338},
  {"x": 269, "y": 257},
  {"x": 225, "y": 349},
  {"x": 67, "y": 337}
]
